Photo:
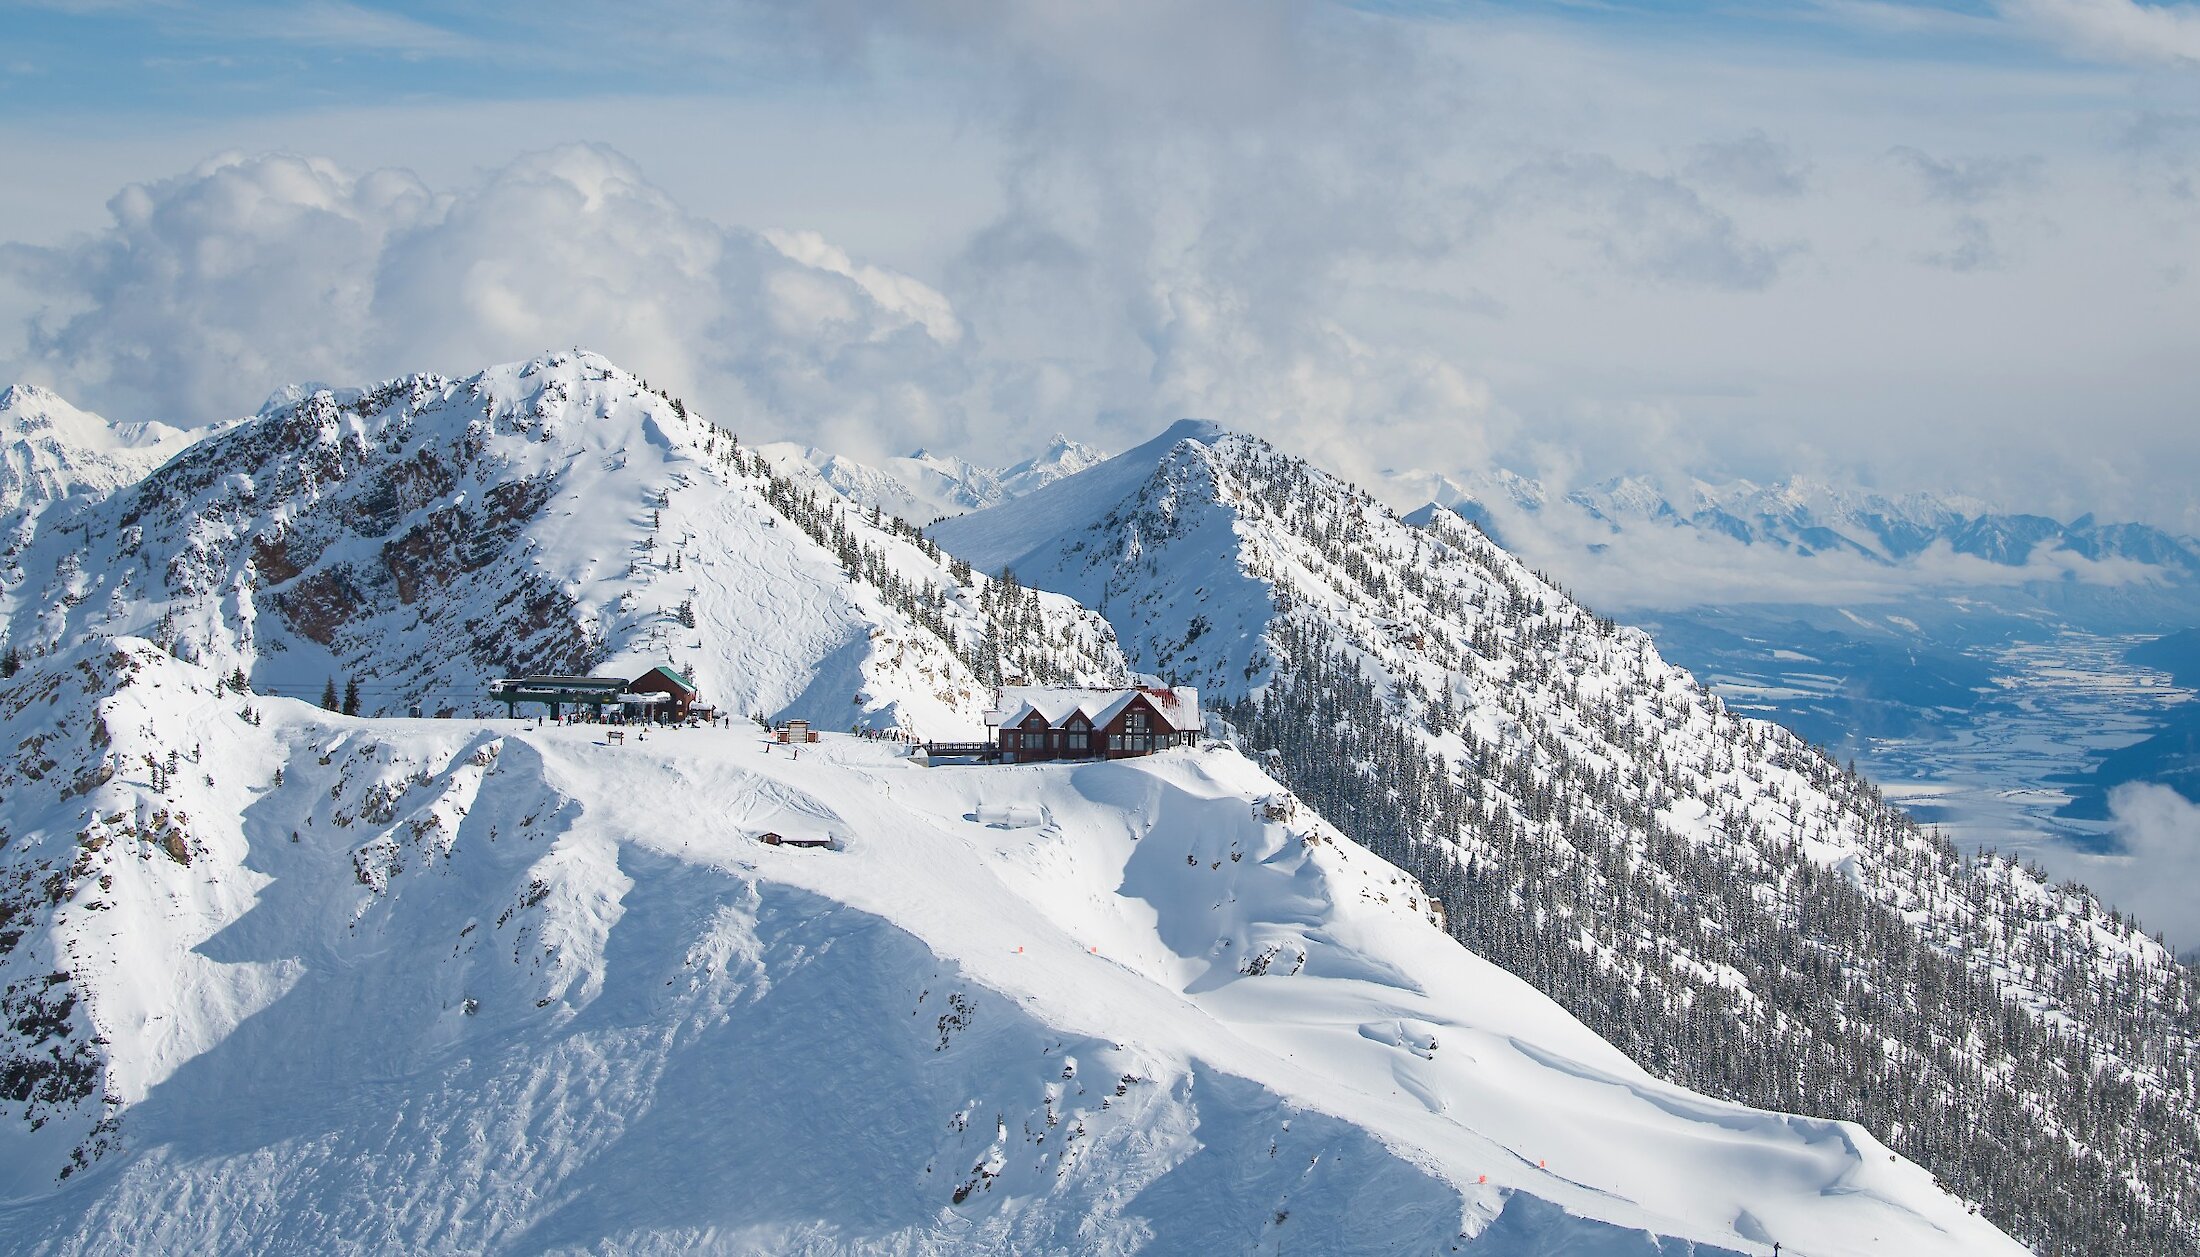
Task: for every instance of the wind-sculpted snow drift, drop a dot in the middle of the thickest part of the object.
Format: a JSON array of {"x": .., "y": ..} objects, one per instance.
[{"x": 459, "y": 985}]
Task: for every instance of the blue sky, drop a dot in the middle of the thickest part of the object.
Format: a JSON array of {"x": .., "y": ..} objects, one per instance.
[
  {"x": 1921, "y": 246},
  {"x": 117, "y": 58},
  {"x": 212, "y": 61}
]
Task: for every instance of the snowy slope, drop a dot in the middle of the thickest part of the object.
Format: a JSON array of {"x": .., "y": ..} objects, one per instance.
[
  {"x": 54, "y": 451},
  {"x": 425, "y": 535},
  {"x": 461, "y": 985},
  {"x": 927, "y": 486},
  {"x": 1711, "y": 892}
]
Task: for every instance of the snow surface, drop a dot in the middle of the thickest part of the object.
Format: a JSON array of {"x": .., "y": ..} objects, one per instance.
[{"x": 462, "y": 984}]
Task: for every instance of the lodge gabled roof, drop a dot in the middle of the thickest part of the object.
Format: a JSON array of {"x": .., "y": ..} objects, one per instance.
[{"x": 1178, "y": 706}]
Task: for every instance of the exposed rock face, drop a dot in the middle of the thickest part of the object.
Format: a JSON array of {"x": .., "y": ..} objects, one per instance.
[{"x": 548, "y": 516}]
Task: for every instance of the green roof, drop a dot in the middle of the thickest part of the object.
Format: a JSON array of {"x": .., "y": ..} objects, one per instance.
[{"x": 677, "y": 679}]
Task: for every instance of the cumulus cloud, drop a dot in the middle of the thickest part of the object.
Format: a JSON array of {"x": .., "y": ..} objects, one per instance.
[
  {"x": 211, "y": 288},
  {"x": 2156, "y": 875}
]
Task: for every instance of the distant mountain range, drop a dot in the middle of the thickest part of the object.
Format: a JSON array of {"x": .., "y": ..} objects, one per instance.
[
  {"x": 925, "y": 486},
  {"x": 1803, "y": 516},
  {"x": 51, "y": 450}
]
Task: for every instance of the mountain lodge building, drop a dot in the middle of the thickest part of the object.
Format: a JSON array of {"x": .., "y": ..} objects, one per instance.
[
  {"x": 1038, "y": 724},
  {"x": 679, "y": 692},
  {"x": 658, "y": 694}
]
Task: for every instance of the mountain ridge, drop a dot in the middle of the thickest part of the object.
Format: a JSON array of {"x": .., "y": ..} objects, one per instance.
[
  {"x": 1464, "y": 717},
  {"x": 542, "y": 516}
]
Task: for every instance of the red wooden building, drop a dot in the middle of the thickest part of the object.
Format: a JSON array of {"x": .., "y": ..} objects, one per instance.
[
  {"x": 679, "y": 692},
  {"x": 1043, "y": 723}
]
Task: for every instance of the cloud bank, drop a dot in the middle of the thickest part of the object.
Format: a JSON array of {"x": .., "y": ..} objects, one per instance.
[
  {"x": 2155, "y": 875},
  {"x": 211, "y": 288},
  {"x": 1405, "y": 238}
]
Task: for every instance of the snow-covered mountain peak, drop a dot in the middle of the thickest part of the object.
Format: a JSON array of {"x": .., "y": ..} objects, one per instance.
[
  {"x": 1201, "y": 431},
  {"x": 551, "y": 515},
  {"x": 1636, "y": 495},
  {"x": 31, "y": 413},
  {"x": 29, "y": 408},
  {"x": 1002, "y": 535},
  {"x": 1061, "y": 457},
  {"x": 290, "y": 395},
  {"x": 52, "y": 452}
]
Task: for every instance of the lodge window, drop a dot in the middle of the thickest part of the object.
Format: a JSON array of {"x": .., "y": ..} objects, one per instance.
[
  {"x": 1077, "y": 741},
  {"x": 1115, "y": 741}
]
